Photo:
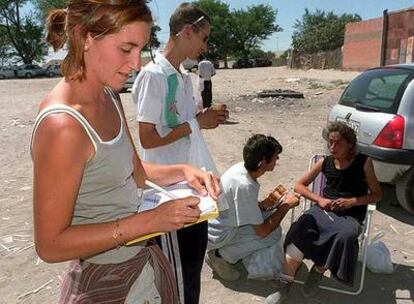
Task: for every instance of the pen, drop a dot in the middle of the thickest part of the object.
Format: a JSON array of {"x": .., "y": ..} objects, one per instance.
[{"x": 158, "y": 188}]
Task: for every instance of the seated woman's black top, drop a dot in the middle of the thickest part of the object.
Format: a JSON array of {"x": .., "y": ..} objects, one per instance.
[{"x": 346, "y": 183}]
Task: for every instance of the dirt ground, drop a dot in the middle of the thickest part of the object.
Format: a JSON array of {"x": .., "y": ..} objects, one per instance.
[{"x": 296, "y": 123}]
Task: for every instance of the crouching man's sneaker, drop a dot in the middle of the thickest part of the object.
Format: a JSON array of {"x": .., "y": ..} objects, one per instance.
[
  {"x": 279, "y": 296},
  {"x": 223, "y": 269}
]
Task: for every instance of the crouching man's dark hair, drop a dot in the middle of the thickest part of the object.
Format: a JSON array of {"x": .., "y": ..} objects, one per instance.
[{"x": 259, "y": 147}]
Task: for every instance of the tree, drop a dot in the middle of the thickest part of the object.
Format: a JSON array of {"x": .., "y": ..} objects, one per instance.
[
  {"x": 320, "y": 31},
  {"x": 258, "y": 53},
  {"x": 23, "y": 36},
  {"x": 44, "y": 6},
  {"x": 238, "y": 32},
  {"x": 154, "y": 42},
  {"x": 219, "y": 45},
  {"x": 4, "y": 47},
  {"x": 250, "y": 27}
]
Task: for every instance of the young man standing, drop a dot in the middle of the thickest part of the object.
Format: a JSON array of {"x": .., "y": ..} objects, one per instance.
[
  {"x": 205, "y": 72},
  {"x": 167, "y": 120},
  {"x": 244, "y": 231}
]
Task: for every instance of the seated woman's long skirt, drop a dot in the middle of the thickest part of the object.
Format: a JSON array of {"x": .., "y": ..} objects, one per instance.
[{"x": 329, "y": 240}]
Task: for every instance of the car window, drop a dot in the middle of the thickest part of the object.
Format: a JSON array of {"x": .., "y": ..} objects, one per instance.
[{"x": 378, "y": 89}]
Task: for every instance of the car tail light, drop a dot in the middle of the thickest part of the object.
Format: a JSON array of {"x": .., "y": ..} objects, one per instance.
[{"x": 392, "y": 135}]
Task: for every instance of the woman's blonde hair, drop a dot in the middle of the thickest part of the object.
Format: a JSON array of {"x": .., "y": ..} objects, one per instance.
[{"x": 96, "y": 17}]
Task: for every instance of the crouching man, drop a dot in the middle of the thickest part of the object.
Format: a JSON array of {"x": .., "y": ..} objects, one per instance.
[{"x": 249, "y": 230}]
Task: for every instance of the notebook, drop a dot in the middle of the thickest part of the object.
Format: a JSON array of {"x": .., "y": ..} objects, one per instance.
[{"x": 152, "y": 198}]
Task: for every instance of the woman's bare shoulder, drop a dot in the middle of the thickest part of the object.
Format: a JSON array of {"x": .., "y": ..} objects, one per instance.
[
  {"x": 60, "y": 94},
  {"x": 61, "y": 128}
]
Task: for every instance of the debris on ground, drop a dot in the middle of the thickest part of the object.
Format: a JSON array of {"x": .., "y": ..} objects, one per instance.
[
  {"x": 280, "y": 93},
  {"x": 36, "y": 290}
]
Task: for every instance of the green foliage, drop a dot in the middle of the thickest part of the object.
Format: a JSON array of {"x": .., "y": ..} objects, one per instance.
[
  {"x": 21, "y": 35},
  {"x": 154, "y": 42},
  {"x": 250, "y": 27},
  {"x": 44, "y": 6},
  {"x": 320, "y": 31},
  {"x": 285, "y": 54},
  {"x": 239, "y": 32},
  {"x": 4, "y": 47},
  {"x": 258, "y": 53},
  {"x": 219, "y": 44}
]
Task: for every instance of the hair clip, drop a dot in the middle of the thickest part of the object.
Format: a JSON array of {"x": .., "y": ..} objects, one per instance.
[{"x": 191, "y": 24}]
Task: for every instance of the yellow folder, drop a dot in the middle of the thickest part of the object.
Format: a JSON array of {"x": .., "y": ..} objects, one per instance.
[{"x": 151, "y": 199}]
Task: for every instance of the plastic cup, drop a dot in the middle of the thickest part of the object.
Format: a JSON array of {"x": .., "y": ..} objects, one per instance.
[{"x": 218, "y": 106}]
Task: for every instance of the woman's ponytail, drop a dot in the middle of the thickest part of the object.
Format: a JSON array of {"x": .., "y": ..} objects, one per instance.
[{"x": 56, "y": 28}]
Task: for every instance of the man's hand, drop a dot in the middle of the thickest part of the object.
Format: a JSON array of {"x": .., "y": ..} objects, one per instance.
[
  {"x": 210, "y": 119},
  {"x": 267, "y": 203},
  {"x": 292, "y": 200}
]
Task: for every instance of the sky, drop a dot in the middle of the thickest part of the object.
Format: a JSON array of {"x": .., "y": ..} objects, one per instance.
[{"x": 288, "y": 12}]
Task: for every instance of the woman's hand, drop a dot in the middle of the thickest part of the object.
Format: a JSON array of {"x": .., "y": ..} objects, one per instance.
[
  {"x": 203, "y": 182},
  {"x": 325, "y": 203},
  {"x": 342, "y": 204},
  {"x": 174, "y": 214}
]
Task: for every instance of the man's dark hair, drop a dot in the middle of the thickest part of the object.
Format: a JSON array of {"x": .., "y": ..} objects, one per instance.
[
  {"x": 259, "y": 147},
  {"x": 187, "y": 14}
]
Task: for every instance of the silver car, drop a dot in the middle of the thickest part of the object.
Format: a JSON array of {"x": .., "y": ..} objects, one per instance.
[
  {"x": 190, "y": 64},
  {"x": 30, "y": 70},
  {"x": 7, "y": 72},
  {"x": 379, "y": 105},
  {"x": 53, "y": 70},
  {"x": 130, "y": 82}
]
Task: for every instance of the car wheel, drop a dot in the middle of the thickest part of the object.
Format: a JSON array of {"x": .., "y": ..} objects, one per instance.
[
  {"x": 2, "y": 77},
  {"x": 405, "y": 191},
  {"x": 28, "y": 75}
]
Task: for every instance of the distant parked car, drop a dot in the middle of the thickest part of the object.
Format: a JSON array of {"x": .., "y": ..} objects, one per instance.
[
  {"x": 190, "y": 64},
  {"x": 216, "y": 64},
  {"x": 378, "y": 105},
  {"x": 7, "y": 72},
  {"x": 243, "y": 63},
  {"x": 130, "y": 81},
  {"x": 30, "y": 70},
  {"x": 53, "y": 70},
  {"x": 262, "y": 62}
]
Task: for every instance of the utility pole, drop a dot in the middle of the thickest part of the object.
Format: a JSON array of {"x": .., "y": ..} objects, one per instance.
[{"x": 277, "y": 44}]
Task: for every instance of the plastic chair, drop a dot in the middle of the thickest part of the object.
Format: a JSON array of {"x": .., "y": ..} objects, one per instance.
[{"x": 317, "y": 186}]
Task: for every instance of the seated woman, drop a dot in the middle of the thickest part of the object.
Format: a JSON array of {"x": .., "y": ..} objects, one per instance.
[{"x": 328, "y": 232}]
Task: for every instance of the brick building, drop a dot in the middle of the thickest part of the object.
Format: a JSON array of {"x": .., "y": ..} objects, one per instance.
[{"x": 381, "y": 41}]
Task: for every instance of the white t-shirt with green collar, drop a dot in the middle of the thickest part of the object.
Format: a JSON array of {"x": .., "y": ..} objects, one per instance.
[{"x": 149, "y": 92}]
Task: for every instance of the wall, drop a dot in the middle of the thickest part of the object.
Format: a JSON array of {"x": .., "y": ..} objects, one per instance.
[
  {"x": 320, "y": 60},
  {"x": 362, "y": 44},
  {"x": 400, "y": 37}
]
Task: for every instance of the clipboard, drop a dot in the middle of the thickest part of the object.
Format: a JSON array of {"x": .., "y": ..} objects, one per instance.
[{"x": 152, "y": 198}]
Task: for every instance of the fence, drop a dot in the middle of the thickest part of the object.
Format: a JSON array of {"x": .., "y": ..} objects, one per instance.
[{"x": 320, "y": 60}]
